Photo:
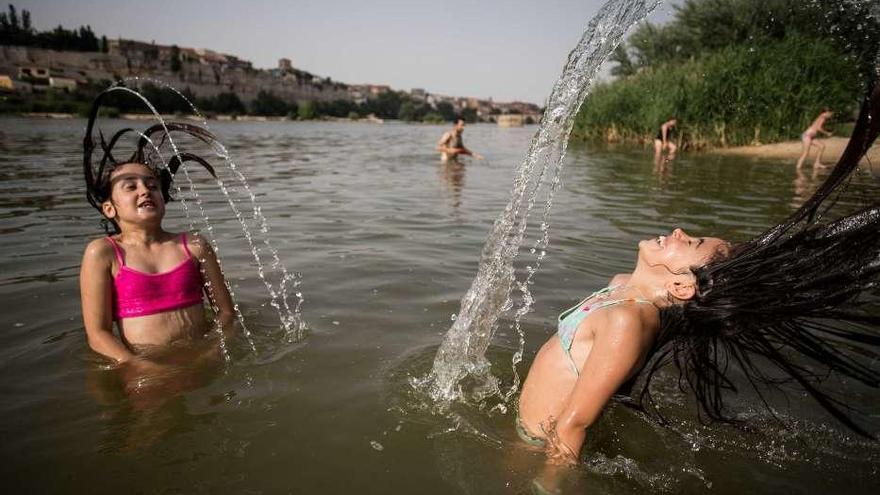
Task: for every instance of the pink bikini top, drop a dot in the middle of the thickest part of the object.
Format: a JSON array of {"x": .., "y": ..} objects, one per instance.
[{"x": 136, "y": 293}]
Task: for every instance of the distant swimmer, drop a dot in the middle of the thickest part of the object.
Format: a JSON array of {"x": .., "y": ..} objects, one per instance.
[
  {"x": 663, "y": 139},
  {"x": 451, "y": 144},
  {"x": 808, "y": 138}
]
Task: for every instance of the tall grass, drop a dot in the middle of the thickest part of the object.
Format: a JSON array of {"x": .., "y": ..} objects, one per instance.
[{"x": 737, "y": 95}]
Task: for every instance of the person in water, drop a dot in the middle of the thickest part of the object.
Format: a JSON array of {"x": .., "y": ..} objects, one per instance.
[
  {"x": 451, "y": 144},
  {"x": 603, "y": 341},
  {"x": 808, "y": 139},
  {"x": 147, "y": 280},
  {"x": 663, "y": 139},
  {"x": 782, "y": 299}
]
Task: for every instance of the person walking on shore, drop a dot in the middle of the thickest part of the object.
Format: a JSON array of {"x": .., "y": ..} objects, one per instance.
[
  {"x": 663, "y": 139},
  {"x": 451, "y": 144},
  {"x": 808, "y": 139}
]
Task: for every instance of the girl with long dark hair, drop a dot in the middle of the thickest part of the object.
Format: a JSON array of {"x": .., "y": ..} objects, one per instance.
[
  {"x": 780, "y": 306},
  {"x": 149, "y": 281}
]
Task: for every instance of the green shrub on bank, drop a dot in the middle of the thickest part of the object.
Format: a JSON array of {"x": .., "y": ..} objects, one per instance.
[
  {"x": 737, "y": 95},
  {"x": 306, "y": 111}
]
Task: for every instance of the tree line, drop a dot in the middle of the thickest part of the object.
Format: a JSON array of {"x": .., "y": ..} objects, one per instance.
[
  {"x": 17, "y": 29},
  {"x": 388, "y": 105}
]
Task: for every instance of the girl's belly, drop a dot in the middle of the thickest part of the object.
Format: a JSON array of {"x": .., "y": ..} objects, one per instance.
[{"x": 164, "y": 328}]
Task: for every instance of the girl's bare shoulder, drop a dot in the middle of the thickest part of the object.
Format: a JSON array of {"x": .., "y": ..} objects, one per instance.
[
  {"x": 630, "y": 321},
  {"x": 197, "y": 244},
  {"x": 98, "y": 250}
]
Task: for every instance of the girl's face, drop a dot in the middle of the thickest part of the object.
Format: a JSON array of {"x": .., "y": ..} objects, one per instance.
[
  {"x": 678, "y": 251},
  {"x": 135, "y": 195}
]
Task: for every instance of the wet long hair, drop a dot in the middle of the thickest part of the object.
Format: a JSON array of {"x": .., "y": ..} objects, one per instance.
[
  {"x": 785, "y": 305},
  {"x": 97, "y": 172}
]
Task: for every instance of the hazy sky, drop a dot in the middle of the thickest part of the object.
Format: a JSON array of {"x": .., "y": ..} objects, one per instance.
[{"x": 504, "y": 49}]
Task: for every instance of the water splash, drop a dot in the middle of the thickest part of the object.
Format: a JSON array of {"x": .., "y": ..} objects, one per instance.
[
  {"x": 461, "y": 371},
  {"x": 290, "y": 316},
  {"x": 279, "y": 292}
]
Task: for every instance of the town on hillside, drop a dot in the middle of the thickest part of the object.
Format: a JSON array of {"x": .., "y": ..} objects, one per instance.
[{"x": 79, "y": 64}]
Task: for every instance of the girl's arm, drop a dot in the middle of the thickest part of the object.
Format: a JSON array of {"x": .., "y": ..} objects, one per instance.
[
  {"x": 95, "y": 286},
  {"x": 217, "y": 291},
  {"x": 617, "y": 350}
]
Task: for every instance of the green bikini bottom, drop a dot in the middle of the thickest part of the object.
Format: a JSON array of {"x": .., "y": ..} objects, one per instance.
[{"x": 527, "y": 437}]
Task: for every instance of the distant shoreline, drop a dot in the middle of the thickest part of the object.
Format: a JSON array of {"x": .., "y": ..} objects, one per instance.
[
  {"x": 216, "y": 117},
  {"x": 231, "y": 118}
]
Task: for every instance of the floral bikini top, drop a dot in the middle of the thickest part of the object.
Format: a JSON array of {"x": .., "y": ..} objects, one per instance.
[{"x": 571, "y": 318}]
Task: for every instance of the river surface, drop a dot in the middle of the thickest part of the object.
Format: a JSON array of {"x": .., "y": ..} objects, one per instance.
[{"x": 387, "y": 240}]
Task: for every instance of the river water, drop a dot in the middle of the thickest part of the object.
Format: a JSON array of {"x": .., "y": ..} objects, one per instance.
[{"x": 387, "y": 240}]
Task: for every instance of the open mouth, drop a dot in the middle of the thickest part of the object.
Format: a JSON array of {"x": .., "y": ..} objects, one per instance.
[{"x": 146, "y": 204}]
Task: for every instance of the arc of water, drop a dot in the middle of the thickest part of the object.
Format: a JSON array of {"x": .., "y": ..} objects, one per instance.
[
  {"x": 462, "y": 353},
  {"x": 290, "y": 318},
  {"x": 199, "y": 204},
  {"x": 223, "y": 347}
]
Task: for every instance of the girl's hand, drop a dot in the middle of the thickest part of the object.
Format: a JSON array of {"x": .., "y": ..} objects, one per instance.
[
  {"x": 557, "y": 451},
  {"x": 139, "y": 374}
]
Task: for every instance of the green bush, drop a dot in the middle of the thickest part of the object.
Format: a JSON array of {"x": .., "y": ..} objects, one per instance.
[
  {"x": 266, "y": 103},
  {"x": 433, "y": 118},
  {"x": 306, "y": 111},
  {"x": 767, "y": 92}
]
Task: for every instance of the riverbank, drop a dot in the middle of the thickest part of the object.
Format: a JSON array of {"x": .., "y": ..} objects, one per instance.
[
  {"x": 369, "y": 119},
  {"x": 791, "y": 150}
]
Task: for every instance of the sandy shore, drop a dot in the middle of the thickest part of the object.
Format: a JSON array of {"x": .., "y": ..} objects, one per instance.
[{"x": 791, "y": 150}]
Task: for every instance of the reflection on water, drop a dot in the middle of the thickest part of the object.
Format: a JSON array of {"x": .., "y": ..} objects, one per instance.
[
  {"x": 805, "y": 184},
  {"x": 663, "y": 169},
  {"x": 387, "y": 241},
  {"x": 452, "y": 177}
]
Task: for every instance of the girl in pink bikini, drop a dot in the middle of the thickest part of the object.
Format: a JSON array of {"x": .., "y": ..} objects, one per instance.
[{"x": 149, "y": 281}]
